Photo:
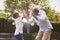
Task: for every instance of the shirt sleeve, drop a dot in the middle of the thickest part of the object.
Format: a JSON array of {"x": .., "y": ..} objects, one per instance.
[
  {"x": 18, "y": 19},
  {"x": 31, "y": 20},
  {"x": 42, "y": 16}
]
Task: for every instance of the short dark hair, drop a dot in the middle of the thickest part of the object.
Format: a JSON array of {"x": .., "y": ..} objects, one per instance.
[{"x": 15, "y": 15}]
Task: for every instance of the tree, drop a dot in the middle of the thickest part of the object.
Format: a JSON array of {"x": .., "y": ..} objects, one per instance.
[
  {"x": 2, "y": 14},
  {"x": 15, "y": 4},
  {"x": 12, "y": 5},
  {"x": 52, "y": 15}
]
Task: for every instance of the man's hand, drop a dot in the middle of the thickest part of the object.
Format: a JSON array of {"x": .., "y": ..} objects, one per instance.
[{"x": 35, "y": 16}]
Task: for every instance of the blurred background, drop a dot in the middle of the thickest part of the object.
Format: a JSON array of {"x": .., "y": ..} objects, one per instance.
[{"x": 8, "y": 7}]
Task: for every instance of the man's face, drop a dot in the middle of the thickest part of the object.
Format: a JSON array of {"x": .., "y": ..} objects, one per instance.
[{"x": 35, "y": 11}]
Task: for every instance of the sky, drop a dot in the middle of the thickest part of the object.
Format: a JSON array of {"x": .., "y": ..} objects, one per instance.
[
  {"x": 2, "y": 4},
  {"x": 55, "y": 4}
]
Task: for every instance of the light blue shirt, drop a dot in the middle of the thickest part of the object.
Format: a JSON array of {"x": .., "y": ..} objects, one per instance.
[{"x": 43, "y": 22}]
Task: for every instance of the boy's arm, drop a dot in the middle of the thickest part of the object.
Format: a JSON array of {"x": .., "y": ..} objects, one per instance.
[{"x": 24, "y": 11}]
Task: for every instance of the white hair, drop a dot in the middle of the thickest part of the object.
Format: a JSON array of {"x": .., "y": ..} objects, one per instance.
[{"x": 36, "y": 7}]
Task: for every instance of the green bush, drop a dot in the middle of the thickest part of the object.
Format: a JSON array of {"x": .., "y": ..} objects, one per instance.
[{"x": 6, "y": 26}]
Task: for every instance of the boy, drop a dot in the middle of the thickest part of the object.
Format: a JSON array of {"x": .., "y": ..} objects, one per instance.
[
  {"x": 45, "y": 27},
  {"x": 19, "y": 26}
]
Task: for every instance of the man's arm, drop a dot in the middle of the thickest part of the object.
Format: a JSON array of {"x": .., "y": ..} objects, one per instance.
[
  {"x": 31, "y": 20},
  {"x": 35, "y": 16}
]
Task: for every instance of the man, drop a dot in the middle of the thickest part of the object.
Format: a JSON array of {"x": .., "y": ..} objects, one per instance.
[{"x": 45, "y": 27}]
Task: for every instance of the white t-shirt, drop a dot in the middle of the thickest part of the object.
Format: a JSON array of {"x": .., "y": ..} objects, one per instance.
[
  {"x": 43, "y": 22},
  {"x": 19, "y": 26}
]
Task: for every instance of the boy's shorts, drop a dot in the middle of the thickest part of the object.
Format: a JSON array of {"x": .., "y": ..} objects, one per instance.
[{"x": 19, "y": 37}]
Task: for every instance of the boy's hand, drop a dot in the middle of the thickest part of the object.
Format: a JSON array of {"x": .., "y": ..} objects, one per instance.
[
  {"x": 22, "y": 8},
  {"x": 25, "y": 15},
  {"x": 13, "y": 23}
]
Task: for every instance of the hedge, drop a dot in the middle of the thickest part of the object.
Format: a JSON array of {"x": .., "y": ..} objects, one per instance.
[{"x": 6, "y": 26}]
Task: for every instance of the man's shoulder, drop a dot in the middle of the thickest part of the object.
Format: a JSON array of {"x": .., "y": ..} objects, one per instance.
[{"x": 42, "y": 12}]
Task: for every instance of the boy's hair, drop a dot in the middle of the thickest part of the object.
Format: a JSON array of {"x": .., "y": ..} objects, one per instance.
[{"x": 15, "y": 15}]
